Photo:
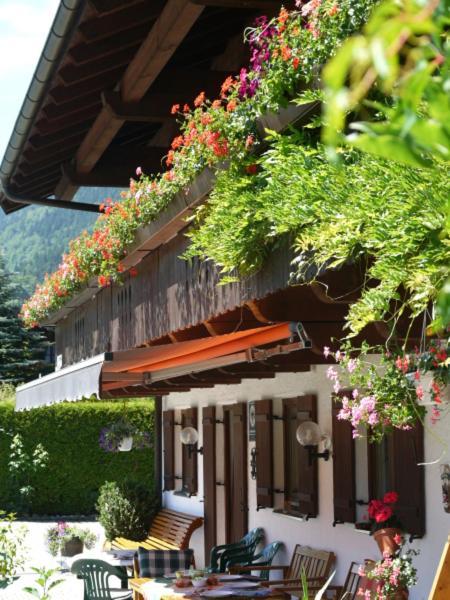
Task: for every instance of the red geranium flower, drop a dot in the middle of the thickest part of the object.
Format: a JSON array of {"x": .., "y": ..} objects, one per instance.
[
  {"x": 383, "y": 514},
  {"x": 390, "y": 498}
]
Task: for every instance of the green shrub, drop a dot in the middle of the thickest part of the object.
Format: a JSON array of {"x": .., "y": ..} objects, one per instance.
[
  {"x": 126, "y": 509},
  {"x": 77, "y": 466}
]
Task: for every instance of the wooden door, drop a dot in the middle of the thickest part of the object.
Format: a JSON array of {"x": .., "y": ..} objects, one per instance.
[{"x": 236, "y": 501}]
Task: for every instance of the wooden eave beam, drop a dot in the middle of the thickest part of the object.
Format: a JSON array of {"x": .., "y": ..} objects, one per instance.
[
  {"x": 264, "y": 5},
  {"x": 116, "y": 168},
  {"x": 154, "y": 109},
  {"x": 173, "y": 24},
  {"x": 102, "y": 26},
  {"x": 67, "y": 93},
  {"x": 88, "y": 51},
  {"x": 110, "y": 6},
  {"x": 47, "y": 126},
  {"x": 74, "y": 73}
]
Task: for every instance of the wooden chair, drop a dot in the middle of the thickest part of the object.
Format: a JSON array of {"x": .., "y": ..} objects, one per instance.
[
  {"x": 348, "y": 591},
  {"x": 170, "y": 530},
  {"x": 317, "y": 565}
]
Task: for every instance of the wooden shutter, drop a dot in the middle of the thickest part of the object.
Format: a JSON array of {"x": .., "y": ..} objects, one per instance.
[
  {"x": 406, "y": 450},
  {"x": 169, "y": 461},
  {"x": 209, "y": 476},
  {"x": 344, "y": 476},
  {"x": 236, "y": 515},
  {"x": 301, "y": 485},
  {"x": 189, "y": 486},
  {"x": 393, "y": 466},
  {"x": 264, "y": 454}
]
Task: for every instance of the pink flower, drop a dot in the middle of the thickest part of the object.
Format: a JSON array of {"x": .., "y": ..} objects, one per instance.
[
  {"x": 373, "y": 419},
  {"x": 332, "y": 374},
  {"x": 355, "y": 394},
  {"x": 139, "y": 171},
  {"x": 398, "y": 539},
  {"x": 336, "y": 387},
  {"x": 351, "y": 366},
  {"x": 326, "y": 351}
]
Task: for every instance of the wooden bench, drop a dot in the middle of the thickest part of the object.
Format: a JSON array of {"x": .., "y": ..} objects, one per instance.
[{"x": 170, "y": 530}]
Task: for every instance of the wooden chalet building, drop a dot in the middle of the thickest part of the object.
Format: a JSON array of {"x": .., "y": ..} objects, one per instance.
[{"x": 242, "y": 363}]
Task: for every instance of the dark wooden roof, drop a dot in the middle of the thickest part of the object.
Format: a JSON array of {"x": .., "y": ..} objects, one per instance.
[{"x": 107, "y": 105}]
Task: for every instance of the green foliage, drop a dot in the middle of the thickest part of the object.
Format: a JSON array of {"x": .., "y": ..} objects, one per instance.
[
  {"x": 77, "y": 466},
  {"x": 403, "y": 55},
  {"x": 12, "y": 547},
  {"x": 21, "y": 351},
  {"x": 25, "y": 466},
  {"x": 45, "y": 582},
  {"x": 388, "y": 217},
  {"x": 126, "y": 509}
]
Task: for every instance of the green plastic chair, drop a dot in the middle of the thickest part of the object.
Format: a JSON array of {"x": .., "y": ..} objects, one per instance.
[
  {"x": 247, "y": 545},
  {"x": 96, "y": 575},
  {"x": 262, "y": 559}
]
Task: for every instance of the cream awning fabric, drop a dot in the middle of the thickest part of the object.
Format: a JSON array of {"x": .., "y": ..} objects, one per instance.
[{"x": 78, "y": 381}]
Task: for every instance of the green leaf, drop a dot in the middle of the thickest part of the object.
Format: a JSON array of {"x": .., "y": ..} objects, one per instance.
[{"x": 389, "y": 147}]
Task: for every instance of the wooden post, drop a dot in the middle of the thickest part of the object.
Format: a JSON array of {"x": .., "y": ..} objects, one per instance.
[{"x": 441, "y": 584}]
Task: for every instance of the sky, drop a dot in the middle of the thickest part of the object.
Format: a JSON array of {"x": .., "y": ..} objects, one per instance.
[{"x": 24, "y": 26}]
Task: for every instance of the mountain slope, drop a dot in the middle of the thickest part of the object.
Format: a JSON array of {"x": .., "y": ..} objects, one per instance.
[{"x": 33, "y": 239}]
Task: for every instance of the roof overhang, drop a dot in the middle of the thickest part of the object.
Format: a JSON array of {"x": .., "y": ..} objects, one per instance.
[
  {"x": 99, "y": 102},
  {"x": 159, "y": 368}
]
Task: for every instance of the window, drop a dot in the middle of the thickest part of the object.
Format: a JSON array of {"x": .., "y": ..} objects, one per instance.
[{"x": 390, "y": 465}]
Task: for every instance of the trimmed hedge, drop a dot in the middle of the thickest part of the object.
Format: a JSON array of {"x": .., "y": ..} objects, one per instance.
[{"x": 77, "y": 465}]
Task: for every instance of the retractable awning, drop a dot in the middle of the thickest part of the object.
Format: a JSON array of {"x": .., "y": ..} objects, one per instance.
[
  {"x": 147, "y": 366},
  {"x": 78, "y": 381}
]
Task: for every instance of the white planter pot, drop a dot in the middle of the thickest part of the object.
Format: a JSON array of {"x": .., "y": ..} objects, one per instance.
[{"x": 126, "y": 444}]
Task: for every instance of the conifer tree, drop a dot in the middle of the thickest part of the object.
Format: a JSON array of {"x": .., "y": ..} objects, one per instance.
[{"x": 22, "y": 351}]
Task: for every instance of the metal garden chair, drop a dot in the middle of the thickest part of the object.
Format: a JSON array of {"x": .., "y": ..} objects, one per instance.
[
  {"x": 96, "y": 575},
  {"x": 262, "y": 559},
  {"x": 247, "y": 545}
]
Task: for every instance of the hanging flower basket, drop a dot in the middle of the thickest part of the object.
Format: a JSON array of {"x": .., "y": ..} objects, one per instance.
[
  {"x": 126, "y": 444},
  {"x": 393, "y": 392},
  {"x": 122, "y": 436}
]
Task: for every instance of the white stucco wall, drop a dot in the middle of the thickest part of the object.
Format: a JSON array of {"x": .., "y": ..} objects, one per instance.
[{"x": 347, "y": 543}]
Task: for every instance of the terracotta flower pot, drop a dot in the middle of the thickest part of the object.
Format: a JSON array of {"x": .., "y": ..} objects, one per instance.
[
  {"x": 385, "y": 540},
  {"x": 399, "y": 595}
]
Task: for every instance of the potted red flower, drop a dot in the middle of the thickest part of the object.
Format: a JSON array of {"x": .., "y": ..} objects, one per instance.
[{"x": 385, "y": 526}]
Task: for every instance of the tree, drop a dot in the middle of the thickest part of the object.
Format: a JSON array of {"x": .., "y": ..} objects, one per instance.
[{"x": 22, "y": 351}]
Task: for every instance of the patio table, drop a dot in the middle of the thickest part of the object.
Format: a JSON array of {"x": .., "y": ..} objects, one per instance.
[{"x": 145, "y": 588}]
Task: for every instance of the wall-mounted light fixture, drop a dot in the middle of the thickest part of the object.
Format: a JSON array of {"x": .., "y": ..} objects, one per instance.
[
  {"x": 189, "y": 438},
  {"x": 308, "y": 434}
]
